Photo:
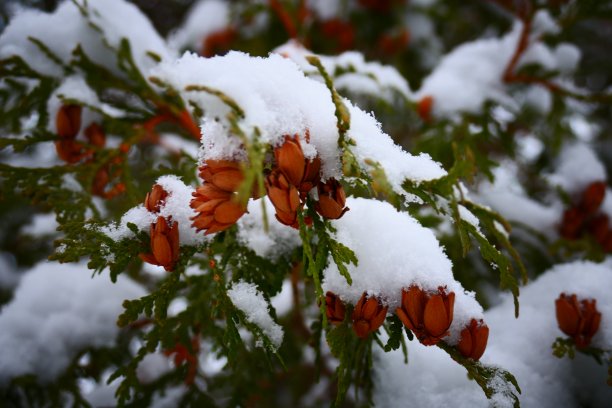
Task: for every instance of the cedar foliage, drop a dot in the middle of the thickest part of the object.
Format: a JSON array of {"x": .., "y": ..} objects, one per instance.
[{"x": 261, "y": 376}]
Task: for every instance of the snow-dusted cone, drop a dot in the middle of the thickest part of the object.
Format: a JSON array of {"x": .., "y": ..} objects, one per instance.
[
  {"x": 68, "y": 121},
  {"x": 70, "y": 151},
  {"x": 592, "y": 197},
  {"x": 368, "y": 315},
  {"x": 334, "y": 308},
  {"x": 290, "y": 160},
  {"x": 578, "y": 319},
  {"x": 68, "y": 124},
  {"x": 156, "y": 198},
  {"x": 571, "y": 225},
  {"x": 164, "y": 244},
  {"x": 181, "y": 355},
  {"x": 223, "y": 174},
  {"x": 425, "y": 107},
  {"x": 299, "y": 171},
  {"x": 332, "y": 199},
  {"x": 95, "y": 135},
  {"x": 474, "y": 340},
  {"x": 284, "y": 197},
  {"x": 429, "y": 316},
  {"x": 599, "y": 228},
  {"x": 217, "y": 209}
]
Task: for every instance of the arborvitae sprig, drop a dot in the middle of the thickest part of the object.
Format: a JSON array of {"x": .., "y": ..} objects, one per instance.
[{"x": 492, "y": 380}]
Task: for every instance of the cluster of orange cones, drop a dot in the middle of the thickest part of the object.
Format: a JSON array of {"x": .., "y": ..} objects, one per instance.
[{"x": 427, "y": 315}]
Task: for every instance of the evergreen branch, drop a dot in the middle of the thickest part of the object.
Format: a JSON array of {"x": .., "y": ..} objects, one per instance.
[
  {"x": 227, "y": 100},
  {"x": 491, "y": 254},
  {"x": 50, "y": 54},
  {"x": 342, "y": 113},
  {"x": 15, "y": 66},
  {"x": 313, "y": 263},
  {"x": 328, "y": 246},
  {"x": 492, "y": 380},
  {"x": 20, "y": 144}
]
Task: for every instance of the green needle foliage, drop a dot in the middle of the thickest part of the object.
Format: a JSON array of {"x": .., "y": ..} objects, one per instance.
[{"x": 89, "y": 197}]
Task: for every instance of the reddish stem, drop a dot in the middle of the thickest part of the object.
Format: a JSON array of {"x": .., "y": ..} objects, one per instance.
[
  {"x": 284, "y": 17},
  {"x": 521, "y": 47}
]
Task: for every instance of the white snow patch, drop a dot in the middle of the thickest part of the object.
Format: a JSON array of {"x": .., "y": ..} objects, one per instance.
[
  {"x": 277, "y": 241},
  {"x": 276, "y": 97},
  {"x": 204, "y": 18},
  {"x": 473, "y": 72},
  {"x": 521, "y": 346},
  {"x": 372, "y": 144},
  {"x": 176, "y": 206},
  {"x": 351, "y": 72},
  {"x": 507, "y": 196},
  {"x": 394, "y": 252},
  {"x": 246, "y": 297},
  {"x": 58, "y": 310},
  {"x": 578, "y": 166},
  {"x": 152, "y": 367},
  {"x": 65, "y": 28}
]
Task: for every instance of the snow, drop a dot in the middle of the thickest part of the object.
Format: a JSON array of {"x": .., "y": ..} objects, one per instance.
[
  {"x": 9, "y": 276},
  {"x": 543, "y": 23},
  {"x": 100, "y": 394},
  {"x": 138, "y": 216},
  {"x": 283, "y": 301},
  {"x": 472, "y": 73},
  {"x": 469, "y": 75},
  {"x": 507, "y": 196},
  {"x": 423, "y": 38},
  {"x": 66, "y": 27},
  {"x": 529, "y": 147},
  {"x": 217, "y": 142},
  {"x": 210, "y": 362},
  {"x": 578, "y": 166},
  {"x": 584, "y": 130},
  {"x": 325, "y": 9},
  {"x": 58, "y": 310},
  {"x": 469, "y": 217},
  {"x": 39, "y": 155},
  {"x": 538, "y": 99},
  {"x": 386, "y": 76},
  {"x": 70, "y": 183},
  {"x": 521, "y": 346},
  {"x": 204, "y": 18},
  {"x": 176, "y": 206},
  {"x": 394, "y": 252},
  {"x": 247, "y": 298},
  {"x": 276, "y": 97},
  {"x": 75, "y": 88},
  {"x": 152, "y": 367},
  {"x": 431, "y": 379},
  {"x": 177, "y": 143},
  {"x": 351, "y": 72},
  {"x": 277, "y": 241},
  {"x": 169, "y": 398},
  {"x": 568, "y": 57},
  {"x": 72, "y": 87},
  {"x": 372, "y": 144},
  {"x": 41, "y": 224}
]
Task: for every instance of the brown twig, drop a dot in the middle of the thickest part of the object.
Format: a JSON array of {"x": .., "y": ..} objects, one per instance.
[
  {"x": 510, "y": 75},
  {"x": 284, "y": 17},
  {"x": 521, "y": 47}
]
